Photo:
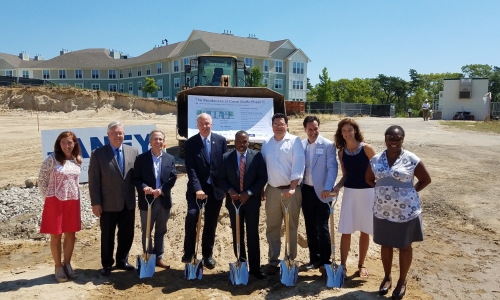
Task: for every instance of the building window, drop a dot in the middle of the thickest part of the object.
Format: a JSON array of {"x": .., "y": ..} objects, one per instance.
[
  {"x": 176, "y": 66},
  {"x": 249, "y": 62},
  {"x": 301, "y": 85},
  {"x": 62, "y": 74},
  {"x": 159, "y": 82},
  {"x": 159, "y": 68},
  {"x": 185, "y": 61},
  {"x": 278, "y": 84},
  {"x": 266, "y": 66},
  {"x": 46, "y": 74},
  {"x": 278, "y": 66},
  {"x": 26, "y": 74},
  {"x": 96, "y": 86},
  {"x": 111, "y": 74},
  {"x": 8, "y": 73},
  {"x": 265, "y": 80},
  {"x": 112, "y": 87},
  {"x": 130, "y": 86},
  {"x": 298, "y": 85},
  {"x": 139, "y": 85},
  {"x": 121, "y": 87},
  {"x": 139, "y": 71},
  {"x": 79, "y": 85},
  {"x": 148, "y": 70},
  {"x": 298, "y": 68},
  {"x": 121, "y": 73},
  {"x": 129, "y": 72},
  {"x": 78, "y": 74},
  {"x": 177, "y": 83},
  {"x": 95, "y": 74}
]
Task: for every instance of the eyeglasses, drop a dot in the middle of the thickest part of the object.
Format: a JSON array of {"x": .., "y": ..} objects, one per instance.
[
  {"x": 395, "y": 138},
  {"x": 279, "y": 125}
]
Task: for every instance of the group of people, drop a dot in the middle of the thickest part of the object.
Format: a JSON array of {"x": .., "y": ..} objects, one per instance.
[{"x": 379, "y": 197}]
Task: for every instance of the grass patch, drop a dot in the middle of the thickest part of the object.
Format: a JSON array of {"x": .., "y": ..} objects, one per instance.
[{"x": 492, "y": 126}]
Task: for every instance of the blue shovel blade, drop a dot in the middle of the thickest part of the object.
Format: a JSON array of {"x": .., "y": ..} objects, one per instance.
[
  {"x": 193, "y": 271},
  {"x": 238, "y": 274},
  {"x": 334, "y": 276},
  {"x": 145, "y": 268},
  {"x": 289, "y": 273}
]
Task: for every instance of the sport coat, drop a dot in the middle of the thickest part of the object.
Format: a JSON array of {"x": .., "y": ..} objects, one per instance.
[
  {"x": 197, "y": 166},
  {"x": 107, "y": 186},
  {"x": 255, "y": 177},
  {"x": 324, "y": 166},
  {"x": 144, "y": 176}
]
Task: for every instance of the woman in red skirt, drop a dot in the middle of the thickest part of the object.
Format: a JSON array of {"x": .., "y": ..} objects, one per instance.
[{"x": 58, "y": 184}]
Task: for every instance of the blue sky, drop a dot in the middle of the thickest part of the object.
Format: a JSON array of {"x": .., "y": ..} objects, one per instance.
[{"x": 351, "y": 38}]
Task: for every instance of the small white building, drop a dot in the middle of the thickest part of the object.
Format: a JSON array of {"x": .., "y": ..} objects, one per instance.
[{"x": 464, "y": 95}]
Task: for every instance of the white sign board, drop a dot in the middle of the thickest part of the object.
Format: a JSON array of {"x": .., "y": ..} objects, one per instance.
[
  {"x": 95, "y": 137},
  {"x": 231, "y": 114}
]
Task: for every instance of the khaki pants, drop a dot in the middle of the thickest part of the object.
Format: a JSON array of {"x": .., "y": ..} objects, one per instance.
[
  {"x": 275, "y": 215},
  {"x": 426, "y": 114}
]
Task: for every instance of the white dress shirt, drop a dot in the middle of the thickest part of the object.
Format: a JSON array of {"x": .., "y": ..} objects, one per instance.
[
  {"x": 285, "y": 160},
  {"x": 309, "y": 153}
]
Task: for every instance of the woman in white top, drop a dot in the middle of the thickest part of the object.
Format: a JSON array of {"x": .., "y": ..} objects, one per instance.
[{"x": 58, "y": 185}]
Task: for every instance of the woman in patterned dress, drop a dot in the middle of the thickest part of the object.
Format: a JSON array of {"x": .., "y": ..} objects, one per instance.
[
  {"x": 58, "y": 185},
  {"x": 357, "y": 201},
  {"x": 397, "y": 220}
]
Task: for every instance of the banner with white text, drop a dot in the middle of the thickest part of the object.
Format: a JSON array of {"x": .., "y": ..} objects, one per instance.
[
  {"x": 92, "y": 138},
  {"x": 231, "y": 114}
]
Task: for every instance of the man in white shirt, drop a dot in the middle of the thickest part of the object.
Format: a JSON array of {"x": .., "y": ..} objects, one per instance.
[
  {"x": 319, "y": 178},
  {"x": 425, "y": 110},
  {"x": 409, "y": 112},
  {"x": 285, "y": 161}
]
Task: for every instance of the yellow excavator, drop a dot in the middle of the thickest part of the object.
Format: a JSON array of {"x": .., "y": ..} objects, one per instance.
[{"x": 217, "y": 76}]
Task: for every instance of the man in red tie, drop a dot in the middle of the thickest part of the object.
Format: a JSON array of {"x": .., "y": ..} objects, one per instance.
[{"x": 242, "y": 176}]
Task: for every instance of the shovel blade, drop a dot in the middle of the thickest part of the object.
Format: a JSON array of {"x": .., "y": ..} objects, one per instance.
[
  {"x": 238, "y": 273},
  {"x": 289, "y": 272},
  {"x": 145, "y": 268},
  {"x": 193, "y": 270},
  {"x": 334, "y": 275}
]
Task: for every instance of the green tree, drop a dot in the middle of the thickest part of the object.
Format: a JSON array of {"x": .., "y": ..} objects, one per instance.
[
  {"x": 324, "y": 89},
  {"x": 495, "y": 84},
  {"x": 150, "y": 86},
  {"x": 311, "y": 91},
  {"x": 255, "y": 77},
  {"x": 477, "y": 70}
]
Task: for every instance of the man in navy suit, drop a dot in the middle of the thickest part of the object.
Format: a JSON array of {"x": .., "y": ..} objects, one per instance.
[
  {"x": 155, "y": 175},
  {"x": 243, "y": 175},
  {"x": 203, "y": 156},
  {"x": 319, "y": 178}
]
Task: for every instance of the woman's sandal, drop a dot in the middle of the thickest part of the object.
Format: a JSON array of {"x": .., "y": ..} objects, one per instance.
[
  {"x": 60, "y": 275},
  {"x": 363, "y": 271},
  {"x": 69, "y": 271}
]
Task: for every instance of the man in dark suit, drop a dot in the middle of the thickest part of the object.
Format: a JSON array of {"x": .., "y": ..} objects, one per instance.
[
  {"x": 112, "y": 196},
  {"x": 155, "y": 174},
  {"x": 203, "y": 156},
  {"x": 243, "y": 175}
]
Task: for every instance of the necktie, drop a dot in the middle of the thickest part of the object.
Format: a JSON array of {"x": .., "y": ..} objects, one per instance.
[
  {"x": 242, "y": 171},
  {"x": 207, "y": 149},
  {"x": 119, "y": 159}
]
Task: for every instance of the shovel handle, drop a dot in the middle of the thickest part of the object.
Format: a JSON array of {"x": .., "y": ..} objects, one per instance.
[{"x": 148, "y": 226}]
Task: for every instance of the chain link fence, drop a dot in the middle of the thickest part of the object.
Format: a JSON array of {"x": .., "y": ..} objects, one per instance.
[
  {"x": 495, "y": 109},
  {"x": 351, "y": 109}
]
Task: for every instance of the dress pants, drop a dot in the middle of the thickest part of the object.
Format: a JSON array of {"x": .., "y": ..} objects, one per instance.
[
  {"x": 316, "y": 216},
  {"x": 249, "y": 215},
  {"x": 108, "y": 221},
  {"x": 159, "y": 218},
  {"x": 212, "y": 210},
  {"x": 275, "y": 216}
]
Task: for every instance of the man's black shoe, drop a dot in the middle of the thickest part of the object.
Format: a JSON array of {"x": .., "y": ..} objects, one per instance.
[
  {"x": 311, "y": 266},
  {"x": 105, "y": 271},
  {"x": 125, "y": 266},
  {"x": 258, "y": 274},
  {"x": 271, "y": 269},
  {"x": 186, "y": 258},
  {"x": 209, "y": 262}
]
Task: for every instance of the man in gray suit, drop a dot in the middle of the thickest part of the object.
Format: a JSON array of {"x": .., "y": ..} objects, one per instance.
[
  {"x": 319, "y": 178},
  {"x": 112, "y": 196}
]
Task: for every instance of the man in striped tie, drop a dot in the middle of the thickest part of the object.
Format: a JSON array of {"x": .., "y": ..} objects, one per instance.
[{"x": 243, "y": 175}]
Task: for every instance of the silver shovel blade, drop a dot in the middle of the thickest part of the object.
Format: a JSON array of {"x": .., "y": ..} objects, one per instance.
[
  {"x": 289, "y": 272},
  {"x": 238, "y": 273},
  {"x": 193, "y": 270},
  {"x": 145, "y": 267},
  {"x": 334, "y": 275}
]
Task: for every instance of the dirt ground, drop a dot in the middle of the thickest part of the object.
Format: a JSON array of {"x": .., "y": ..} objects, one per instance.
[{"x": 457, "y": 260}]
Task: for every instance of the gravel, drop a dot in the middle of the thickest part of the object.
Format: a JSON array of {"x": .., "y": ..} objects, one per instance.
[{"x": 22, "y": 208}]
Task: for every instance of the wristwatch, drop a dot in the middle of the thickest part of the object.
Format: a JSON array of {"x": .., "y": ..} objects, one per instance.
[{"x": 249, "y": 193}]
